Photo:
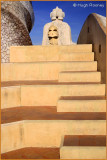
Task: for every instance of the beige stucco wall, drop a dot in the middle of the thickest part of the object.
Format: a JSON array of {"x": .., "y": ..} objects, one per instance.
[
  {"x": 43, "y": 133},
  {"x": 42, "y": 71},
  {"x": 89, "y": 152},
  {"x": 23, "y": 97},
  {"x": 51, "y": 53},
  {"x": 10, "y": 97},
  {"x": 94, "y": 32}
]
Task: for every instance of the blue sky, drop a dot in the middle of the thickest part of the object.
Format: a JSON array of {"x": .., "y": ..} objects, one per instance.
[{"x": 75, "y": 15}]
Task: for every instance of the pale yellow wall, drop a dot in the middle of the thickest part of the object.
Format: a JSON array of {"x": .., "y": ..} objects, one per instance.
[
  {"x": 86, "y": 152},
  {"x": 46, "y": 133},
  {"x": 11, "y": 136},
  {"x": 42, "y": 70},
  {"x": 51, "y": 53},
  {"x": 46, "y": 95},
  {"x": 81, "y": 106},
  {"x": 10, "y": 97},
  {"x": 80, "y": 77},
  {"x": 39, "y": 96}
]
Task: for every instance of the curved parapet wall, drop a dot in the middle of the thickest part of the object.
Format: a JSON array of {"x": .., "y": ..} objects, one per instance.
[
  {"x": 17, "y": 19},
  {"x": 94, "y": 32}
]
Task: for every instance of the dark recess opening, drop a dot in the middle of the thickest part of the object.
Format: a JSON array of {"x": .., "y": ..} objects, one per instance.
[
  {"x": 99, "y": 48},
  {"x": 88, "y": 30}
]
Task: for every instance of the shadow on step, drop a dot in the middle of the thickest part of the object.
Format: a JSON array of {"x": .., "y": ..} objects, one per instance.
[{"x": 32, "y": 153}]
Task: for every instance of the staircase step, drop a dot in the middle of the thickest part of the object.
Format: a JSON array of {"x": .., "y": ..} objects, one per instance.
[
  {"x": 42, "y": 70},
  {"x": 46, "y": 133},
  {"x": 41, "y": 53},
  {"x": 76, "y": 57},
  {"x": 81, "y": 106},
  {"x": 79, "y": 77},
  {"x": 47, "y": 95},
  {"x": 77, "y": 152},
  {"x": 83, "y": 147},
  {"x": 82, "y": 98},
  {"x": 46, "y": 113},
  {"x": 84, "y": 140},
  {"x": 53, "y": 57}
]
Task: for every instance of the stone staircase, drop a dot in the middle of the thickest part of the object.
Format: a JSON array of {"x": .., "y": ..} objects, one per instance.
[{"x": 53, "y": 104}]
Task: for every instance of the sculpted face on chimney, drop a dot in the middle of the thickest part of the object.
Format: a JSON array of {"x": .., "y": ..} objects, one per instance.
[{"x": 53, "y": 35}]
